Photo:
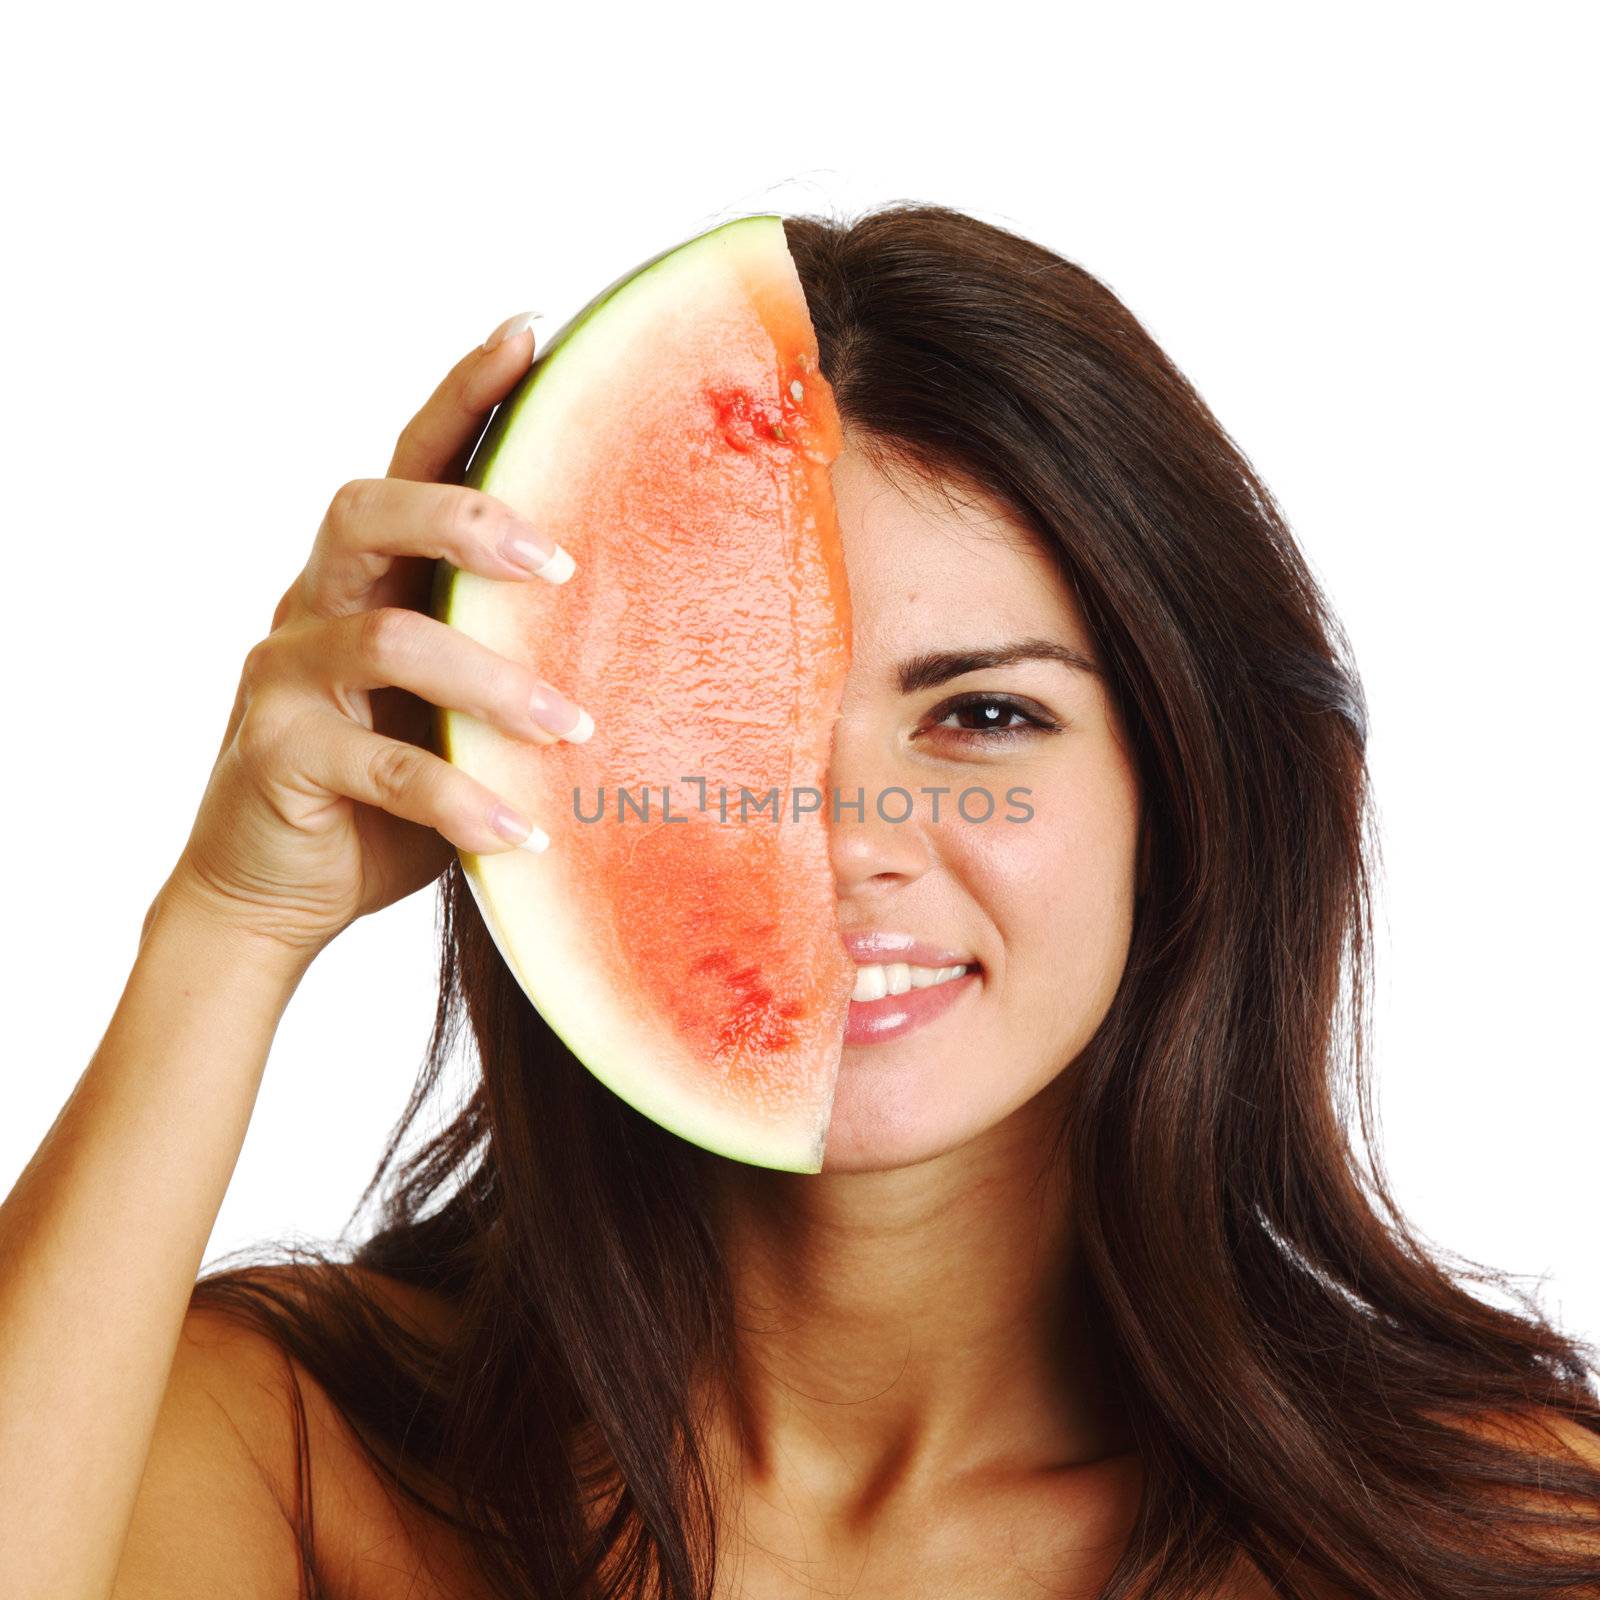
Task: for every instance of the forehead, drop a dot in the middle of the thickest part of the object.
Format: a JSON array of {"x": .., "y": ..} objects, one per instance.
[{"x": 935, "y": 568}]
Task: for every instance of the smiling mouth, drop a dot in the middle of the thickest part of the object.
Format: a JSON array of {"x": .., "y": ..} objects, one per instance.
[{"x": 901, "y": 977}]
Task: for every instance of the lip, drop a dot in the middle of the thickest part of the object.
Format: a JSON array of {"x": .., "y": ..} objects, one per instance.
[
  {"x": 894, "y": 1016},
  {"x": 878, "y": 947}
]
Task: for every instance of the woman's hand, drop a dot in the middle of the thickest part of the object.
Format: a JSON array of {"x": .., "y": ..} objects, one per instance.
[{"x": 323, "y": 804}]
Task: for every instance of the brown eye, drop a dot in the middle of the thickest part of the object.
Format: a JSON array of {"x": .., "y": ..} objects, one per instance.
[{"x": 992, "y": 718}]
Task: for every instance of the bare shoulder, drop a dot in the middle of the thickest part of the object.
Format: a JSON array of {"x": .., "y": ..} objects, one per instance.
[
  {"x": 219, "y": 1507},
  {"x": 1556, "y": 1437},
  {"x": 1248, "y": 1582},
  {"x": 210, "y": 1514},
  {"x": 1547, "y": 1432},
  {"x": 372, "y": 1542},
  {"x": 1540, "y": 1430}
]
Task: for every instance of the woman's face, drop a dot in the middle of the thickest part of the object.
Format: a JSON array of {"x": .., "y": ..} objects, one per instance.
[{"x": 1038, "y": 898}]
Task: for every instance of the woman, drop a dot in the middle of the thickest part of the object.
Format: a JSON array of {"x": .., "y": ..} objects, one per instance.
[{"x": 1091, "y": 1295}]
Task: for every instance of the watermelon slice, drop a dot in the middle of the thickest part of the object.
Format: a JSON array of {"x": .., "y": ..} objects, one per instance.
[{"x": 681, "y": 933}]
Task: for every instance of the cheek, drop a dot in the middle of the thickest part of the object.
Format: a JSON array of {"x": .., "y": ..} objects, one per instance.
[
  {"x": 1058, "y": 890},
  {"x": 1054, "y": 898}
]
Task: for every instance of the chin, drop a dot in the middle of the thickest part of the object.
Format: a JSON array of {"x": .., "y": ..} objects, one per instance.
[
  {"x": 889, "y": 1115},
  {"x": 885, "y": 1118}
]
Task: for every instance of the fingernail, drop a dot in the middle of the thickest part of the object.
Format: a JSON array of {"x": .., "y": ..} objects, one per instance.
[
  {"x": 558, "y": 715},
  {"x": 509, "y": 329},
  {"x": 555, "y": 567},
  {"x": 514, "y": 826}
]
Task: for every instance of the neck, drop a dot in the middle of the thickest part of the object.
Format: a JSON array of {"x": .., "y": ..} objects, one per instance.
[{"x": 896, "y": 1331}]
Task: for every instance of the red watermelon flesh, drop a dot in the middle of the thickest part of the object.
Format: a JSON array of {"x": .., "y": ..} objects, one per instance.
[{"x": 675, "y": 438}]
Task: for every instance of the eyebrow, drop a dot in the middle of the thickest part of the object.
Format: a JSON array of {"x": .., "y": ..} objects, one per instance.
[{"x": 935, "y": 667}]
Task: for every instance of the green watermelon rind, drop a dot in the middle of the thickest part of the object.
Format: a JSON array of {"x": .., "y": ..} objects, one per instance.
[{"x": 573, "y": 1000}]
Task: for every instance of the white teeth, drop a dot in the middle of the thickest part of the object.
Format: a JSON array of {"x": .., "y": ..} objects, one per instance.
[
  {"x": 872, "y": 983},
  {"x": 876, "y": 983}
]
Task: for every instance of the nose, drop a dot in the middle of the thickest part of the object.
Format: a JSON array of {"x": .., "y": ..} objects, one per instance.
[{"x": 870, "y": 847}]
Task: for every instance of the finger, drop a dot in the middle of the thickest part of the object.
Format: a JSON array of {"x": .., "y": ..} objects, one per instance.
[
  {"x": 435, "y": 446},
  {"x": 373, "y": 522},
  {"x": 407, "y": 781},
  {"x": 396, "y": 648}
]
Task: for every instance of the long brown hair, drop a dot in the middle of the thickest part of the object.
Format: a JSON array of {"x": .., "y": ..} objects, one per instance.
[{"x": 1303, "y": 1379}]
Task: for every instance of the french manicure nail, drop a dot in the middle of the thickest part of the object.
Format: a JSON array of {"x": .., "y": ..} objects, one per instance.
[
  {"x": 556, "y": 566},
  {"x": 509, "y": 329},
  {"x": 512, "y": 825},
  {"x": 558, "y": 715}
]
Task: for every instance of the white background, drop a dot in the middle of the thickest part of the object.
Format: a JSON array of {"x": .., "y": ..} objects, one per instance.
[{"x": 245, "y": 247}]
